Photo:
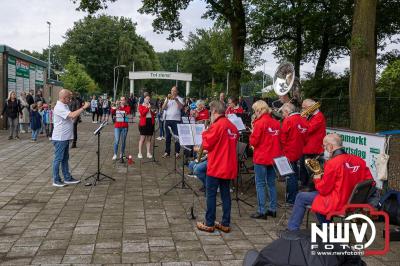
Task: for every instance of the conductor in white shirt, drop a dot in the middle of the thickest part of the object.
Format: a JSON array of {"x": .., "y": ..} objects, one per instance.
[
  {"x": 172, "y": 105},
  {"x": 63, "y": 132}
]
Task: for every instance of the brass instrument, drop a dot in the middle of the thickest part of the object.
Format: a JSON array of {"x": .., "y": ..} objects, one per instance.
[
  {"x": 200, "y": 157},
  {"x": 314, "y": 166},
  {"x": 310, "y": 110}
]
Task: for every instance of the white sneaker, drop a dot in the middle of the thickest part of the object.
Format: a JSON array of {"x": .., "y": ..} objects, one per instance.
[
  {"x": 149, "y": 156},
  {"x": 159, "y": 138},
  {"x": 49, "y": 138},
  {"x": 114, "y": 157},
  {"x": 140, "y": 156}
]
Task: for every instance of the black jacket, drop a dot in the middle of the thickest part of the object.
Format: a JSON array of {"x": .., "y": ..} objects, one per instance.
[{"x": 12, "y": 108}]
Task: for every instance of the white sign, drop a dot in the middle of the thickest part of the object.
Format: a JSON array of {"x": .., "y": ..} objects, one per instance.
[
  {"x": 160, "y": 75},
  {"x": 367, "y": 146}
]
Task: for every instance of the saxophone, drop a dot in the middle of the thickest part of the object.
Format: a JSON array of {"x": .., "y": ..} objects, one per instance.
[
  {"x": 200, "y": 157},
  {"x": 314, "y": 166}
]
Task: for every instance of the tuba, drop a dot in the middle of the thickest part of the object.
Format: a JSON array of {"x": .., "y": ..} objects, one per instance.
[{"x": 286, "y": 82}]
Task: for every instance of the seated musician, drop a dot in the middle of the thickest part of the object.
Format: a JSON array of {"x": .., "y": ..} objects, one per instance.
[
  {"x": 316, "y": 131},
  {"x": 292, "y": 137},
  {"x": 265, "y": 141},
  {"x": 342, "y": 172},
  {"x": 234, "y": 107},
  {"x": 220, "y": 140},
  {"x": 199, "y": 168},
  {"x": 201, "y": 114}
]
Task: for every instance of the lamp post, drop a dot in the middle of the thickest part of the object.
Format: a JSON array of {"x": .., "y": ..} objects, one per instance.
[
  {"x": 115, "y": 89},
  {"x": 48, "y": 63}
]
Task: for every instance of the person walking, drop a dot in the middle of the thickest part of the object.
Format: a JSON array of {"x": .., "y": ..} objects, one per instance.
[
  {"x": 146, "y": 126},
  {"x": 24, "y": 120},
  {"x": 12, "y": 108},
  {"x": 62, "y": 134}
]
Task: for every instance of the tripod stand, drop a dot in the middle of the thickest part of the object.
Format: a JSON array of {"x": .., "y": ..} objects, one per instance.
[
  {"x": 96, "y": 176},
  {"x": 182, "y": 183},
  {"x": 175, "y": 170}
]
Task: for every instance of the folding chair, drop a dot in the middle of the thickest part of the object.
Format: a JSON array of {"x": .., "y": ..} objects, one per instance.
[{"x": 359, "y": 195}]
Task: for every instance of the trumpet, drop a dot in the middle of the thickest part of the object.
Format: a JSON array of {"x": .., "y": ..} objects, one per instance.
[{"x": 310, "y": 110}]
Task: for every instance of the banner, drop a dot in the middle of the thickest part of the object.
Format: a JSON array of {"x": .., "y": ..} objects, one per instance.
[{"x": 367, "y": 146}]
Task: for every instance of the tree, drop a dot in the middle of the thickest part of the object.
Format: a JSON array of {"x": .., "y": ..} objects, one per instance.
[
  {"x": 232, "y": 12},
  {"x": 76, "y": 79},
  {"x": 102, "y": 42},
  {"x": 389, "y": 82},
  {"x": 363, "y": 67}
]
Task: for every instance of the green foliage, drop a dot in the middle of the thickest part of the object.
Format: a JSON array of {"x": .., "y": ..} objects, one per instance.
[
  {"x": 252, "y": 84},
  {"x": 389, "y": 83},
  {"x": 100, "y": 43},
  {"x": 76, "y": 79},
  {"x": 329, "y": 85}
]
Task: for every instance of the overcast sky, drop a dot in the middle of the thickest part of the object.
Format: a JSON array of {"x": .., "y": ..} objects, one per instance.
[{"x": 24, "y": 26}]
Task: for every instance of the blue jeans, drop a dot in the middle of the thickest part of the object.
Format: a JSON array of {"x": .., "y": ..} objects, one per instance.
[
  {"x": 292, "y": 184},
  {"x": 120, "y": 134},
  {"x": 61, "y": 155},
  {"x": 265, "y": 175},
  {"x": 35, "y": 134},
  {"x": 302, "y": 200},
  {"x": 200, "y": 170},
  {"x": 173, "y": 124},
  {"x": 212, "y": 185}
]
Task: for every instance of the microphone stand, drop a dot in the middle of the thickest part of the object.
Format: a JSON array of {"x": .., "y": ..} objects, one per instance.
[{"x": 96, "y": 176}]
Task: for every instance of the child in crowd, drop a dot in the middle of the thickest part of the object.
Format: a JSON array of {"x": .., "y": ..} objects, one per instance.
[
  {"x": 35, "y": 121},
  {"x": 48, "y": 120},
  {"x": 41, "y": 112}
]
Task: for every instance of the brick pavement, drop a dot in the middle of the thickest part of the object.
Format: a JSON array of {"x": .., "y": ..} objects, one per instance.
[{"x": 129, "y": 221}]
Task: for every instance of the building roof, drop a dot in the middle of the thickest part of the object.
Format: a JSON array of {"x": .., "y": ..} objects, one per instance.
[{"x": 16, "y": 53}]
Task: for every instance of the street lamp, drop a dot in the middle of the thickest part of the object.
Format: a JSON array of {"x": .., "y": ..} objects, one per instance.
[
  {"x": 48, "y": 63},
  {"x": 115, "y": 89}
]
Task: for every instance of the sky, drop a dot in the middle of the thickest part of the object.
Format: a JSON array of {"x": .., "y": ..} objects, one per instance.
[{"x": 24, "y": 26}]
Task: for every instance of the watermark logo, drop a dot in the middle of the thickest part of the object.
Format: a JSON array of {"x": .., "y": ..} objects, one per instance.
[
  {"x": 353, "y": 169},
  {"x": 334, "y": 238}
]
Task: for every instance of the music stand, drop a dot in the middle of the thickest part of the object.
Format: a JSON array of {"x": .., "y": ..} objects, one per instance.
[
  {"x": 96, "y": 176},
  {"x": 240, "y": 151},
  {"x": 175, "y": 170},
  {"x": 283, "y": 167},
  {"x": 182, "y": 182}
]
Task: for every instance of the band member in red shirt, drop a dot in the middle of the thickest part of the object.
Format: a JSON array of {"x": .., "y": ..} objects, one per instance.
[
  {"x": 265, "y": 141},
  {"x": 292, "y": 136},
  {"x": 342, "y": 172},
  {"x": 146, "y": 126},
  {"x": 234, "y": 107},
  {"x": 316, "y": 131},
  {"x": 201, "y": 113},
  {"x": 220, "y": 140},
  {"x": 120, "y": 126}
]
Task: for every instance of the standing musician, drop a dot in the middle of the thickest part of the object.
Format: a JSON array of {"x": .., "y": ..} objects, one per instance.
[
  {"x": 234, "y": 107},
  {"x": 201, "y": 113},
  {"x": 220, "y": 140},
  {"x": 173, "y": 105},
  {"x": 292, "y": 137},
  {"x": 265, "y": 141},
  {"x": 316, "y": 131},
  {"x": 342, "y": 172},
  {"x": 121, "y": 126}
]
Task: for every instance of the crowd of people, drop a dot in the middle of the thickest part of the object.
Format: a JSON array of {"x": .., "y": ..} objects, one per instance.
[{"x": 297, "y": 136}]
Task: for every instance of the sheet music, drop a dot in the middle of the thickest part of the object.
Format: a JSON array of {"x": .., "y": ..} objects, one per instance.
[
  {"x": 237, "y": 121},
  {"x": 190, "y": 134},
  {"x": 188, "y": 120},
  {"x": 283, "y": 166},
  {"x": 120, "y": 116}
]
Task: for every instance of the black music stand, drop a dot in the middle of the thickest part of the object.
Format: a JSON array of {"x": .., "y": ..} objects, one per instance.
[
  {"x": 96, "y": 176},
  {"x": 175, "y": 138},
  {"x": 240, "y": 152},
  {"x": 279, "y": 168},
  {"x": 182, "y": 183}
]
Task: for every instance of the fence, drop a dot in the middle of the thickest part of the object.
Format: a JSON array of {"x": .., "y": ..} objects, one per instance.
[{"x": 387, "y": 115}]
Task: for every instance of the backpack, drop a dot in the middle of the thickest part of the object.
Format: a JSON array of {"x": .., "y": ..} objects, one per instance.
[{"x": 390, "y": 203}]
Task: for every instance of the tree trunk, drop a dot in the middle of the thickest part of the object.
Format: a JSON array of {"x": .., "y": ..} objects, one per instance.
[
  {"x": 323, "y": 55},
  {"x": 363, "y": 67},
  {"x": 238, "y": 31}
]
